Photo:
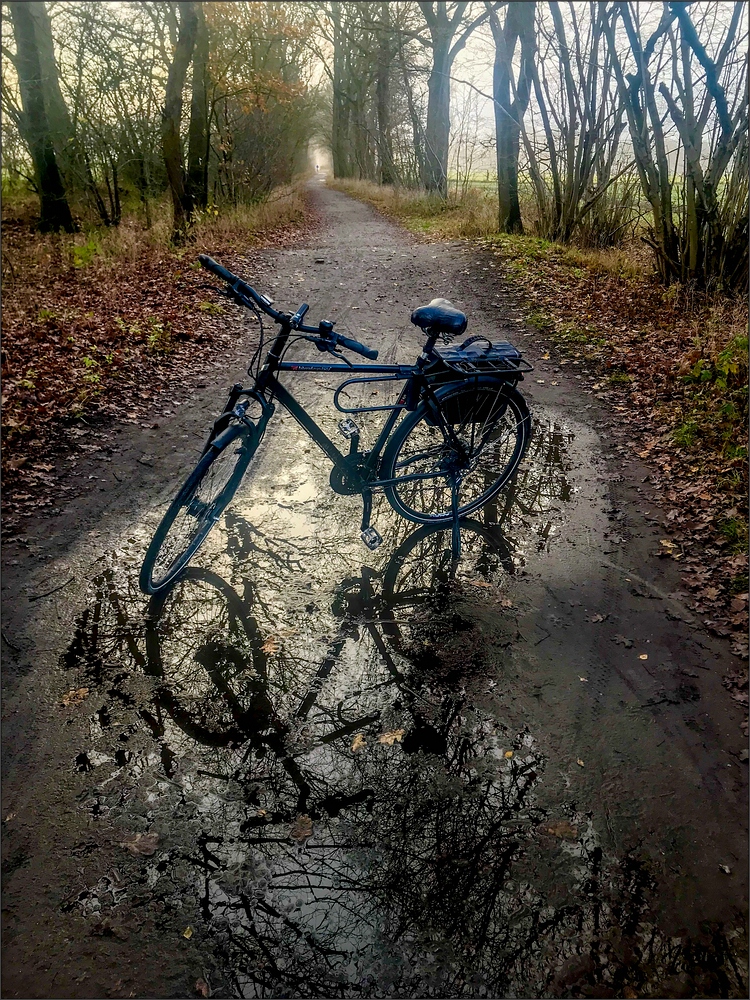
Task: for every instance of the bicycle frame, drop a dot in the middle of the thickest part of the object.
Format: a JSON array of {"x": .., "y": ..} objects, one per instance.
[{"x": 267, "y": 388}]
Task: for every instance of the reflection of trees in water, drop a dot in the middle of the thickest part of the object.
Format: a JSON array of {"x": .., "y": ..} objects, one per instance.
[
  {"x": 538, "y": 488},
  {"x": 421, "y": 868}
]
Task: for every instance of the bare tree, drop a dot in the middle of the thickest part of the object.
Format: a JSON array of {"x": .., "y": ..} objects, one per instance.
[
  {"x": 449, "y": 26},
  {"x": 699, "y": 227},
  {"x": 510, "y": 110},
  {"x": 198, "y": 134},
  {"x": 182, "y": 200},
  {"x": 34, "y": 121}
]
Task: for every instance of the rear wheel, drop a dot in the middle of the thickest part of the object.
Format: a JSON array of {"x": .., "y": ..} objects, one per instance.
[
  {"x": 491, "y": 424},
  {"x": 197, "y": 507}
]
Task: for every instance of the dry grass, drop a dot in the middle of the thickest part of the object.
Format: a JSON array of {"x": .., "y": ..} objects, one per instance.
[
  {"x": 285, "y": 206},
  {"x": 223, "y": 226},
  {"x": 471, "y": 216}
]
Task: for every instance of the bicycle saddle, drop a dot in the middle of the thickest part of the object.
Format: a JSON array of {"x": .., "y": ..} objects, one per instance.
[{"x": 440, "y": 317}]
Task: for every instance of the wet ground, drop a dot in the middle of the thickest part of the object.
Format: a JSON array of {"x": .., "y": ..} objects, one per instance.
[{"x": 311, "y": 770}]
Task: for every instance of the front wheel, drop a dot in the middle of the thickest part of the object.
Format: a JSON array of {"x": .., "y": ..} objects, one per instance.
[
  {"x": 197, "y": 507},
  {"x": 491, "y": 426}
]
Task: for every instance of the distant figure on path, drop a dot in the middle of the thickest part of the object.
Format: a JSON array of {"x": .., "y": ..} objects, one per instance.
[{"x": 317, "y": 167}]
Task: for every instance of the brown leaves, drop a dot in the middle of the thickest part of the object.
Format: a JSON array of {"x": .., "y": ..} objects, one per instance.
[
  {"x": 301, "y": 830},
  {"x": 69, "y": 353},
  {"x": 75, "y": 697},
  {"x": 394, "y": 736},
  {"x": 562, "y": 829},
  {"x": 140, "y": 844}
]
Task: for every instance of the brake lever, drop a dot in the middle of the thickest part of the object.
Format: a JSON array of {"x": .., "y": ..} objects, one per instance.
[{"x": 327, "y": 347}]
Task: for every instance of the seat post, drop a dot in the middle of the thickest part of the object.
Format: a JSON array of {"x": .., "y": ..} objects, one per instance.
[{"x": 426, "y": 354}]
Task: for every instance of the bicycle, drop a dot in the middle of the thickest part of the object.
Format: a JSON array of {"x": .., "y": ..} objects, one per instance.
[{"x": 465, "y": 429}]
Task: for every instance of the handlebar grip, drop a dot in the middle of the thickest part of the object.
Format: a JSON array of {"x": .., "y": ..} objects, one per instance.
[
  {"x": 354, "y": 345},
  {"x": 221, "y": 272}
]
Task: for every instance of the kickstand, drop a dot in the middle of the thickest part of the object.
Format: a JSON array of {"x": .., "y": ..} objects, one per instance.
[{"x": 456, "y": 530}]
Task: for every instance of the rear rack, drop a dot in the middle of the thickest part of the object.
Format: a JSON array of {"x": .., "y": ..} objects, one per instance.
[
  {"x": 496, "y": 359},
  {"x": 491, "y": 366}
]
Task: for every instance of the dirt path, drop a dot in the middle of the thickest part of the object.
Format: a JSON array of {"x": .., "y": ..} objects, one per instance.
[{"x": 525, "y": 783}]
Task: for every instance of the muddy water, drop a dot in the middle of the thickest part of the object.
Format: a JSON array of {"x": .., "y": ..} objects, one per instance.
[{"x": 370, "y": 776}]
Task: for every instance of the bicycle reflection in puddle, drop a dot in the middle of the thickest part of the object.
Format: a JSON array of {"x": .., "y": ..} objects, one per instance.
[
  {"x": 342, "y": 807},
  {"x": 357, "y": 823}
]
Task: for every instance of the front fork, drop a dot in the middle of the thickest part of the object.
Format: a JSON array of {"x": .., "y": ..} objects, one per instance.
[{"x": 234, "y": 408}]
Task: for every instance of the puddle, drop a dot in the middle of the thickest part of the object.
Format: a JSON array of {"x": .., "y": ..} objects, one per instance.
[{"x": 345, "y": 801}]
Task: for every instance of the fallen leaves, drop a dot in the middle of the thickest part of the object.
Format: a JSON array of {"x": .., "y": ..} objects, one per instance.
[
  {"x": 394, "y": 736},
  {"x": 580, "y": 762},
  {"x": 358, "y": 742},
  {"x": 597, "y": 618},
  {"x": 736, "y": 683},
  {"x": 81, "y": 357},
  {"x": 302, "y": 829},
  {"x": 201, "y": 988},
  {"x": 623, "y": 641},
  {"x": 140, "y": 844},
  {"x": 188, "y": 932},
  {"x": 643, "y": 656},
  {"x": 669, "y": 548},
  {"x": 75, "y": 697}
]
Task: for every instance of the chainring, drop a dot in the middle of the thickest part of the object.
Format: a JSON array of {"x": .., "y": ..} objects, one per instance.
[{"x": 345, "y": 483}]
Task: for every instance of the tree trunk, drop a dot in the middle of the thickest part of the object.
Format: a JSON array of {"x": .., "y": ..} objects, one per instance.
[
  {"x": 55, "y": 211},
  {"x": 58, "y": 116},
  {"x": 340, "y": 127},
  {"x": 170, "y": 128},
  {"x": 198, "y": 137},
  {"x": 510, "y": 108},
  {"x": 385, "y": 151},
  {"x": 437, "y": 131}
]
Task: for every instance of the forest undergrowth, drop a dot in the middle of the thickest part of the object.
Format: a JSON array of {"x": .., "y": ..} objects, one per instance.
[
  {"x": 671, "y": 363},
  {"x": 95, "y": 322}
]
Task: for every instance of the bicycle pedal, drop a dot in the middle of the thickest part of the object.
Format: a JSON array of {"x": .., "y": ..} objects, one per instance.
[
  {"x": 371, "y": 538},
  {"x": 348, "y": 428}
]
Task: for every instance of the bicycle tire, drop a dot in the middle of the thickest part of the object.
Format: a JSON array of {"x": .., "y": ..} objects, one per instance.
[
  {"x": 435, "y": 574},
  {"x": 201, "y": 698},
  {"x": 493, "y": 422},
  {"x": 228, "y": 455}
]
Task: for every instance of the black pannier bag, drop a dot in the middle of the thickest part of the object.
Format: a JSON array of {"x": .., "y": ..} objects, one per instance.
[{"x": 477, "y": 356}]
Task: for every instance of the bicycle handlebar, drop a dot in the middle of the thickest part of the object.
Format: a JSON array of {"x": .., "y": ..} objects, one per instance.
[
  {"x": 325, "y": 331},
  {"x": 240, "y": 286},
  {"x": 354, "y": 345}
]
